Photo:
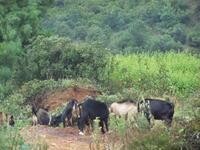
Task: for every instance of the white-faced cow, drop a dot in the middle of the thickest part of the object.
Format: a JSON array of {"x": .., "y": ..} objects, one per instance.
[
  {"x": 91, "y": 109},
  {"x": 157, "y": 109}
]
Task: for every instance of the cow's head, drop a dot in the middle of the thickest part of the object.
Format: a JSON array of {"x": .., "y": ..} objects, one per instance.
[
  {"x": 143, "y": 106},
  {"x": 55, "y": 120},
  {"x": 75, "y": 109}
]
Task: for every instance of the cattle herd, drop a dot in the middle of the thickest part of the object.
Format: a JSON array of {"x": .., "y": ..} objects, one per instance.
[{"x": 84, "y": 113}]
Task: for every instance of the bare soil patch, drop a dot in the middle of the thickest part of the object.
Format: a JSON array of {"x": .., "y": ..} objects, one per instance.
[{"x": 52, "y": 100}]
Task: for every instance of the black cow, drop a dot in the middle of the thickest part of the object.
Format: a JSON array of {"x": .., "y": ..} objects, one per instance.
[
  {"x": 158, "y": 109},
  {"x": 70, "y": 112},
  {"x": 91, "y": 109},
  {"x": 43, "y": 117}
]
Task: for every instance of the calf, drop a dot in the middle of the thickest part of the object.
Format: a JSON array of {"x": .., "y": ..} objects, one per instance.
[
  {"x": 158, "y": 109},
  {"x": 91, "y": 109}
]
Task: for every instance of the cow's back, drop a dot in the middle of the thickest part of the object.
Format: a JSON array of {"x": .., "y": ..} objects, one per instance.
[
  {"x": 95, "y": 109},
  {"x": 43, "y": 117},
  {"x": 160, "y": 108}
]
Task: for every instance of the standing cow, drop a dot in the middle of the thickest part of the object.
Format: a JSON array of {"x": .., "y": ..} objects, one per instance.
[
  {"x": 157, "y": 109},
  {"x": 126, "y": 108},
  {"x": 91, "y": 109}
]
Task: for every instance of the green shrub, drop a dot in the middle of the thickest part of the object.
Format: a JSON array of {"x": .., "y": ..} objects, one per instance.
[{"x": 57, "y": 57}]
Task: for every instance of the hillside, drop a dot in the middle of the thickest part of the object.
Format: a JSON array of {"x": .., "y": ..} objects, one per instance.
[
  {"x": 128, "y": 26},
  {"x": 113, "y": 50}
]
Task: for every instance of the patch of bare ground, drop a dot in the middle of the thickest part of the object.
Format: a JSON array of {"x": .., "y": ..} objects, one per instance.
[
  {"x": 52, "y": 100},
  {"x": 65, "y": 138}
]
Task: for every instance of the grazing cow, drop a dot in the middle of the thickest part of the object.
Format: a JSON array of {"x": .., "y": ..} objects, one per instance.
[
  {"x": 127, "y": 108},
  {"x": 56, "y": 120},
  {"x": 70, "y": 113},
  {"x": 158, "y": 109},
  {"x": 43, "y": 117},
  {"x": 91, "y": 109}
]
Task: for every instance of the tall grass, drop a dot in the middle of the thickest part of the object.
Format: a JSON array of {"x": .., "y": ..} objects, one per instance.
[{"x": 157, "y": 73}]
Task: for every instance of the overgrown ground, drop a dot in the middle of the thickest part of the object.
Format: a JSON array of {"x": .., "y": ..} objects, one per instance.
[{"x": 173, "y": 76}]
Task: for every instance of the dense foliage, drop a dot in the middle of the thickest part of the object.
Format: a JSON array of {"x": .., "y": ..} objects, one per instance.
[
  {"x": 57, "y": 57},
  {"x": 19, "y": 23},
  {"x": 131, "y": 49},
  {"x": 128, "y": 26}
]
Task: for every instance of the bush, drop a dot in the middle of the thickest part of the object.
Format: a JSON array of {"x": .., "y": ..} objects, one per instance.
[{"x": 57, "y": 57}]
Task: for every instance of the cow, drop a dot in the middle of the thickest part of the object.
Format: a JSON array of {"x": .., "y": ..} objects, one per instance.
[
  {"x": 70, "y": 113},
  {"x": 6, "y": 118},
  {"x": 157, "y": 109},
  {"x": 43, "y": 117},
  {"x": 125, "y": 108},
  {"x": 11, "y": 121},
  {"x": 91, "y": 109}
]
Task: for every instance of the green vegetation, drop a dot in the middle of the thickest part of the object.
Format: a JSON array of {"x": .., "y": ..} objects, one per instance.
[
  {"x": 128, "y": 26},
  {"x": 157, "y": 74},
  {"x": 128, "y": 49}
]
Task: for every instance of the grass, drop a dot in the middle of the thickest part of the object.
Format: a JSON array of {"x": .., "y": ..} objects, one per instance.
[{"x": 158, "y": 73}]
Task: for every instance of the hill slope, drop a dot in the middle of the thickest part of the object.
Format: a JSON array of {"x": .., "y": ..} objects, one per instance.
[{"x": 127, "y": 26}]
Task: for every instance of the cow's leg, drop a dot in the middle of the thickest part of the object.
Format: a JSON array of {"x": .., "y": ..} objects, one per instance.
[
  {"x": 69, "y": 122},
  {"x": 106, "y": 124},
  {"x": 101, "y": 125},
  {"x": 168, "y": 122},
  {"x": 81, "y": 122},
  {"x": 64, "y": 123}
]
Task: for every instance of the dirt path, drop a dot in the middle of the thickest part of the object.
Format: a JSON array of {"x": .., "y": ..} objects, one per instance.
[
  {"x": 57, "y": 138},
  {"x": 64, "y": 138}
]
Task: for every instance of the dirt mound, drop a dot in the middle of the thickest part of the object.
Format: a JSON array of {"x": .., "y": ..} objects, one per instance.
[{"x": 52, "y": 100}]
